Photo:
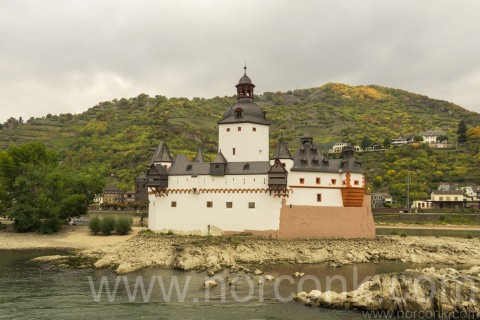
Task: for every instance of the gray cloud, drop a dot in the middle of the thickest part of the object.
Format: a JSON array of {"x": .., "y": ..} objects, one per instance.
[{"x": 66, "y": 56}]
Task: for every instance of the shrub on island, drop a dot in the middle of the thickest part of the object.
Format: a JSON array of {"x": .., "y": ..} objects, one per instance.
[
  {"x": 124, "y": 224},
  {"x": 108, "y": 224},
  {"x": 95, "y": 224}
]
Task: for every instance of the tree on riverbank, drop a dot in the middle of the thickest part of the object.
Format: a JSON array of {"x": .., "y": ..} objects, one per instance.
[{"x": 38, "y": 193}]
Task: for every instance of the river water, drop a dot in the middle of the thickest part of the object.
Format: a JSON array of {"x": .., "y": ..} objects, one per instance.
[{"x": 32, "y": 290}]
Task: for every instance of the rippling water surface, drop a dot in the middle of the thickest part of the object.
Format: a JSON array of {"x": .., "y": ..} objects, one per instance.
[{"x": 31, "y": 290}]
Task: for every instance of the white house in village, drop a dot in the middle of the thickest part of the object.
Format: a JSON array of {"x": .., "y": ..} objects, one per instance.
[
  {"x": 431, "y": 136},
  {"x": 244, "y": 189}
]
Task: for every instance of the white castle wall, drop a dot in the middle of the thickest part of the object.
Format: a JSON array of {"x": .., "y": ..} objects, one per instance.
[
  {"x": 191, "y": 213},
  {"x": 306, "y": 193},
  {"x": 249, "y": 145}
]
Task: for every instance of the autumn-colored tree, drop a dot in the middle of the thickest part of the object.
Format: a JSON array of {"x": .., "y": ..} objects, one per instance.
[{"x": 473, "y": 135}]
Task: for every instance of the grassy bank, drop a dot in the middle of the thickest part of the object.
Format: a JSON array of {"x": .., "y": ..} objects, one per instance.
[{"x": 460, "y": 219}]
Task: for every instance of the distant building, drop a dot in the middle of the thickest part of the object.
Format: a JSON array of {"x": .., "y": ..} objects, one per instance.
[
  {"x": 420, "y": 204},
  {"x": 141, "y": 189},
  {"x": 431, "y": 136},
  {"x": 375, "y": 147},
  {"x": 129, "y": 197},
  {"x": 112, "y": 195},
  {"x": 381, "y": 199},
  {"x": 339, "y": 146},
  {"x": 401, "y": 140},
  {"x": 446, "y": 187},
  {"x": 450, "y": 199}
]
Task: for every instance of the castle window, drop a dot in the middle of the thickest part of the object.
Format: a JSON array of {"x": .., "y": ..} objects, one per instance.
[
  {"x": 251, "y": 205},
  {"x": 173, "y": 204},
  {"x": 233, "y": 151},
  {"x": 344, "y": 182},
  {"x": 209, "y": 204},
  {"x": 238, "y": 112},
  {"x": 228, "y": 129},
  {"x": 317, "y": 180},
  {"x": 356, "y": 182},
  {"x": 254, "y": 129},
  {"x": 217, "y": 166},
  {"x": 302, "y": 180},
  {"x": 239, "y": 128},
  {"x": 229, "y": 205},
  {"x": 334, "y": 181},
  {"x": 319, "y": 197}
]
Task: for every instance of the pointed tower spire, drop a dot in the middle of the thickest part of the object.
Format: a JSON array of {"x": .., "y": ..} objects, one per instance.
[
  {"x": 162, "y": 154},
  {"x": 281, "y": 151}
]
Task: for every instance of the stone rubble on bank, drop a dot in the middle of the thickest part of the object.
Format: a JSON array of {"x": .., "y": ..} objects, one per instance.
[
  {"x": 446, "y": 292},
  {"x": 199, "y": 253}
]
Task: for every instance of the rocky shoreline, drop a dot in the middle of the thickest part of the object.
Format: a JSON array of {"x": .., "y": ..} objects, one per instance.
[
  {"x": 443, "y": 293},
  {"x": 212, "y": 254}
]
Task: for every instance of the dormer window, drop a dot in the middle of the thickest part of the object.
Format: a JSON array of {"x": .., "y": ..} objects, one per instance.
[{"x": 238, "y": 113}]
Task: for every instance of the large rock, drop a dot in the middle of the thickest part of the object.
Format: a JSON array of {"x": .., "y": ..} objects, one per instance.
[{"x": 442, "y": 291}]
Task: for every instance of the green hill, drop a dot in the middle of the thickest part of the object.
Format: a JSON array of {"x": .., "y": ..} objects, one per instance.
[{"x": 118, "y": 137}]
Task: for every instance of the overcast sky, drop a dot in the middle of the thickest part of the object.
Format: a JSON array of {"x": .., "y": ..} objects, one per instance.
[{"x": 59, "y": 56}]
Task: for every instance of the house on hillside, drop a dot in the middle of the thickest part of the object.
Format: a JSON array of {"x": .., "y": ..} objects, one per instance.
[
  {"x": 375, "y": 147},
  {"x": 431, "y": 136},
  {"x": 339, "y": 146},
  {"x": 247, "y": 189},
  {"x": 401, "y": 140}
]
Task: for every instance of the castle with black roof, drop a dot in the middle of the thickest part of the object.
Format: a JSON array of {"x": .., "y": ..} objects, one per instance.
[{"x": 244, "y": 189}]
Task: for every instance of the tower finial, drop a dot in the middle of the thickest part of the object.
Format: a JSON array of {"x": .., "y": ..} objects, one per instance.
[{"x": 245, "y": 67}]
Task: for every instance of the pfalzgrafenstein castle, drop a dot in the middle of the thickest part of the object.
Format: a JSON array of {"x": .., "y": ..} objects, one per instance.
[{"x": 245, "y": 189}]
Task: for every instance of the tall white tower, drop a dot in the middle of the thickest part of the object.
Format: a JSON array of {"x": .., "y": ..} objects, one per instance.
[{"x": 243, "y": 131}]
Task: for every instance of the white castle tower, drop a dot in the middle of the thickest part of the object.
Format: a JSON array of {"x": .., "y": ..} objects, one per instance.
[{"x": 243, "y": 130}]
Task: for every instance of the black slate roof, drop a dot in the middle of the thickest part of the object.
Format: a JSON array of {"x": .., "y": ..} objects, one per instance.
[
  {"x": 281, "y": 151},
  {"x": 162, "y": 154},
  {"x": 199, "y": 156},
  {"x": 220, "y": 158},
  {"x": 310, "y": 159},
  {"x": 251, "y": 113},
  {"x": 182, "y": 166}
]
